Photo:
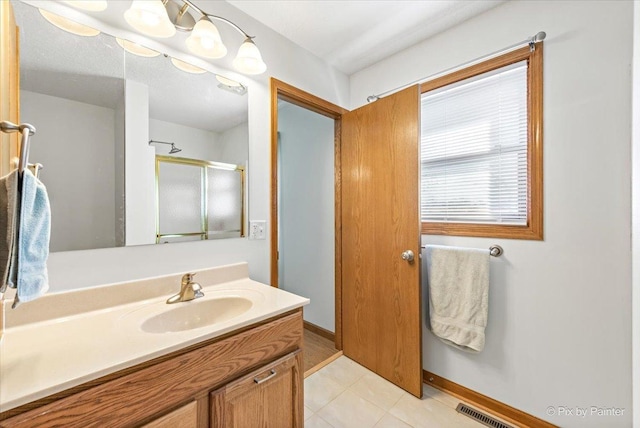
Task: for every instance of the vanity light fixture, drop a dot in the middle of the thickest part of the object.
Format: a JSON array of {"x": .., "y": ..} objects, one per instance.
[
  {"x": 231, "y": 85},
  {"x": 136, "y": 49},
  {"x": 153, "y": 17},
  {"x": 186, "y": 67},
  {"x": 150, "y": 18},
  {"x": 205, "y": 40},
  {"x": 226, "y": 81},
  {"x": 69, "y": 25},
  {"x": 249, "y": 60},
  {"x": 88, "y": 5}
]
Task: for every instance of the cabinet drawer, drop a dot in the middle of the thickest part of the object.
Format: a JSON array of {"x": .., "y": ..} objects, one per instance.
[
  {"x": 137, "y": 397},
  {"x": 269, "y": 397}
]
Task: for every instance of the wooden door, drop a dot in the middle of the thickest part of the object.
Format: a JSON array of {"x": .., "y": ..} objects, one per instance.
[
  {"x": 381, "y": 296},
  {"x": 9, "y": 85},
  {"x": 270, "y": 397}
]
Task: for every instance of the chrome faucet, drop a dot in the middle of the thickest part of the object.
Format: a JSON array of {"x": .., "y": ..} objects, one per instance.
[{"x": 189, "y": 290}]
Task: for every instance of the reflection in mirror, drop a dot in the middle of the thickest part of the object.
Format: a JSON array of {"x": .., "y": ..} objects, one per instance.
[
  {"x": 96, "y": 108},
  {"x": 198, "y": 199}
]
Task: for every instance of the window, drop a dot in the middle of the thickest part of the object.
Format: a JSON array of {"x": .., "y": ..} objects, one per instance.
[{"x": 481, "y": 149}]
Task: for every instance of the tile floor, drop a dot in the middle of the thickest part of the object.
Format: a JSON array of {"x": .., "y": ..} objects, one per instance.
[{"x": 346, "y": 395}]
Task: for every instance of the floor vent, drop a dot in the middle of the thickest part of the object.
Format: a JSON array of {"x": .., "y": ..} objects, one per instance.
[{"x": 480, "y": 417}]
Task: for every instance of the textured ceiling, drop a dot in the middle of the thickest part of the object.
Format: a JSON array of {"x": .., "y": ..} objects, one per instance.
[
  {"x": 352, "y": 35},
  {"x": 93, "y": 70}
]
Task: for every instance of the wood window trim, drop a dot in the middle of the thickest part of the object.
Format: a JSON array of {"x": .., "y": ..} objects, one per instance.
[{"x": 533, "y": 230}]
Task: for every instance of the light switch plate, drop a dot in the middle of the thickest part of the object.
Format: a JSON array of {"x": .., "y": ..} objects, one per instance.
[{"x": 257, "y": 229}]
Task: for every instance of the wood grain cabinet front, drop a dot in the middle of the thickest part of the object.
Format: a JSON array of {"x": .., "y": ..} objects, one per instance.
[
  {"x": 257, "y": 371},
  {"x": 270, "y": 397},
  {"x": 184, "y": 417}
]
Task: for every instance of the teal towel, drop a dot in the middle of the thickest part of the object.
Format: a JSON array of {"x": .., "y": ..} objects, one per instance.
[{"x": 34, "y": 230}]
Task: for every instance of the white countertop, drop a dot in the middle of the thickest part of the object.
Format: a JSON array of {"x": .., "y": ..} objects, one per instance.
[{"x": 41, "y": 358}]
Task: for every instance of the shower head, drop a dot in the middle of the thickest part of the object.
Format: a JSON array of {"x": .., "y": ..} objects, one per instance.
[{"x": 173, "y": 148}]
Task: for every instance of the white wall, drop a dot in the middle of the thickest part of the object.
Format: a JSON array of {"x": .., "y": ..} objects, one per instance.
[
  {"x": 559, "y": 330},
  {"x": 233, "y": 144},
  {"x": 81, "y": 193},
  {"x": 139, "y": 168},
  {"x": 636, "y": 214},
  {"x": 195, "y": 143},
  {"x": 287, "y": 62},
  {"x": 306, "y": 210},
  {"x": 119, "y": 159}
]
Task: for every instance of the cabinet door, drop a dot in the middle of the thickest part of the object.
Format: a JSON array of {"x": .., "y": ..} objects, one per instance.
[
  {"x": 9, "y": 85},
  {"x": 270, "y": 397}
]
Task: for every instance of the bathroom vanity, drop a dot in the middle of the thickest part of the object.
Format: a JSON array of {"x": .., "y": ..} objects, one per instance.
[{"x": 150, "y": 364}]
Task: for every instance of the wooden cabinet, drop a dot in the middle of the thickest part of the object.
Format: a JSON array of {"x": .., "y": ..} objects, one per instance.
[
  {"x": 268, "y": 397},
  {"x": 184, "y": 417},
  {"x": 9, "y": 85},
  {"x": 255, "y": 375},
  {"x": 9, "y": 97}
]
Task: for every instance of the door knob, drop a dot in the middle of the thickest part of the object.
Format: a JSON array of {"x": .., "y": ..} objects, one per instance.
[{"x": 408, "y": 256}]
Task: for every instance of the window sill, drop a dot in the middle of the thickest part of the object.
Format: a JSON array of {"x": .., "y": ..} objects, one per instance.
[{"x": 529, "y": 232}]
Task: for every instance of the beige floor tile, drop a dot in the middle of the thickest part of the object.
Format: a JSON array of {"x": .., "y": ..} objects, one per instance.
[
  {"x": 379, "y": 391},
  {"x": 316, "y": 421},
  {"x": 390, "y": 421},
  {"x": 345, "y": 394},
  {"x": 350, "y": 411},
  {"x": 307, "y": 413},
  {"x": 443, "y": 397},
  {"x": 344, "y": 371},
  {"x": 429, "y": 413},
  {"x": 319, "y": 390}
]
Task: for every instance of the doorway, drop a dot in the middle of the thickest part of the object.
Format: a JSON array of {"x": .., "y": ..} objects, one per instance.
[
  {"x": 377, "y": 292},
  {"x": 305, "y": 225}
]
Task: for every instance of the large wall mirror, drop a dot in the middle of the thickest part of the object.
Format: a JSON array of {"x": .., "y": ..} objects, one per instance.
[{"x": 137, "y": 148}]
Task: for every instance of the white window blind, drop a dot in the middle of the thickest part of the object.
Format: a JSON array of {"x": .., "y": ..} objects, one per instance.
[{"x": 474, "y": 149}]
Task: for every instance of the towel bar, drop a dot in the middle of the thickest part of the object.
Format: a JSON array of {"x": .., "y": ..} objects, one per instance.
[
  {"x": 26, "y": 130},
  {"x": 494, "y": 250}
]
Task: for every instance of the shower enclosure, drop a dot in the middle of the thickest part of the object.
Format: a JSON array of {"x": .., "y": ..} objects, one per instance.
[{"x": 198, "y": 200}]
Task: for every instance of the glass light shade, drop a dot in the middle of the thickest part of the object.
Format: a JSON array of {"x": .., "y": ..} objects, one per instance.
[
  {"x": 227, "y": 81},
  {"x": 69, "y": 25},
  {"x": 88, "y": 5},
  {"x": 249, "y": 60},
  {"x": 136, "y": 49},
  {"x": 150, "y": 18},
  {"x": 186, "y": 67},
  {"x": 205, "y": 40}
]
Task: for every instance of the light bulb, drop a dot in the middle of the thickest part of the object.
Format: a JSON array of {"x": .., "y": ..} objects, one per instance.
[
  {"x": 88, "y": 5},
  {"x": 136, "y": 49},
  {"x": 150, "y": 18},
  {"x": 69, "y": 25},
  {"x": 205, "y": 40},
  {"x": 249, "y": 60}
]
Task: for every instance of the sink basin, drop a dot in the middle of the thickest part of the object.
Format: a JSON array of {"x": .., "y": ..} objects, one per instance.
[{"x": 196, "y": 314}]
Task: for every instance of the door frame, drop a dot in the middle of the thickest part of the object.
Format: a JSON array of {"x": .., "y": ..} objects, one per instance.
[{"x": 289, "y": 93}]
